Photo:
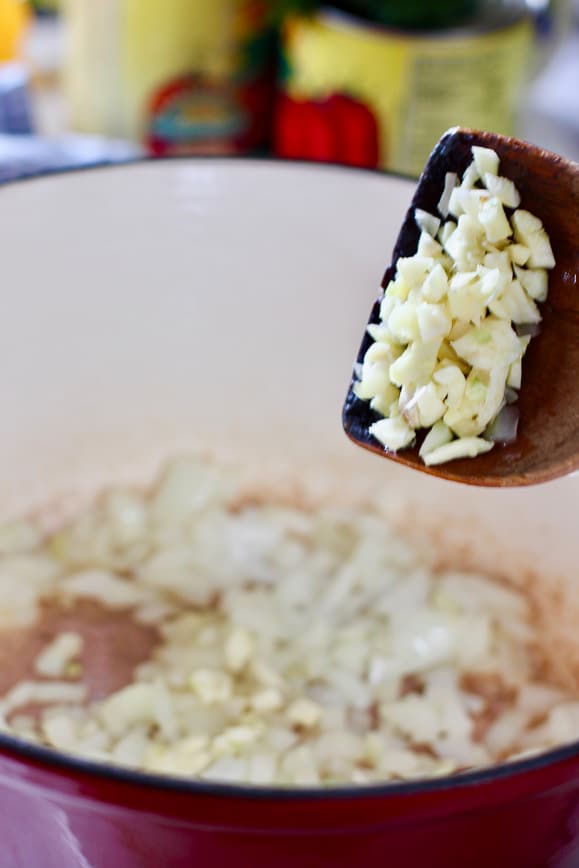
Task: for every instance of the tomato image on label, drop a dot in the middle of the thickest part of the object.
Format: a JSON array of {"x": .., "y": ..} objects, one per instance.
[{"x": 336, "y": 129}]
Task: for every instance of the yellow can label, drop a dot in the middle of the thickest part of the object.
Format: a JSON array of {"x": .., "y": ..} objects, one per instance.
[
  {"x": 179, "y": 75},
  {"x": 14, "y": 16},
  {"x": 413, "y": 86}
]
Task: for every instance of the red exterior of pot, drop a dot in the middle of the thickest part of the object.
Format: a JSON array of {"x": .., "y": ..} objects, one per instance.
[{"x": 56, "y": 815}]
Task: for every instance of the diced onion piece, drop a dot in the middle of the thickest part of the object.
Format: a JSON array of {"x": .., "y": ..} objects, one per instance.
[
  {"x": 416, "y": 364},
  {"x": 413, "y": 269},
  {"x": 534, "y": 281},
  {"x": 430, "y": 407},
  {"x": 408, "y": 407},
  {"x": 530, "y": 232},
  {"x": 453, "y": 380},
  {"x": 212, "y": 686},
  {"x": 60, "y": 730},
  {"x": 381, "y": 351},
  {"x": 104, "y": 586},
  {"x": 235, "y": 738},
  {"x": 403, "y": 323},
  {"x": 493, "y": 218},
  {"x": 519, "y": 253},
  {"x": 393, "y": 434},
  {"x": 515, "y": 305},
  {"x": 495, "y": 395},
  {"x": 476, "y": 388},
  {"x": 379, "y": 333},
  {"x": 466, "y": 300},
  {"x": 526, "y": 224},
  {"x": 304, "y": 712},
  {"x": 384, "y": 399},
  {"x": 473, "y": 200},
  {"x": 494, "y": 342},
  {"x": 504, "y": 190},
  {"x": 389, "y": 301},
  {"x": 427, "y": 222},
  {"x": 463, "y": 447},
  {"x": 486, "y": 160},
  {"x": 450, "y": 182},
  {"x": 369, "y": 386},
  {"x": 183, "y": 491},
  {"x": 266, "y": 700},
  {"x": 541, "y": 251},
  {"x": 55, "y": 658},
  {"x": 375, "y": 370},
  {"x": 446, "y": 230},
  {"x": 127, "y": 517},
  {"x": 468, "y": 233},
  {"x": 427, "y": 246},
  {"x": 493, "y": 281},
  {"x": 458, "y": 330},
  {"x": 42, "y": 693},
  {"x": 455, "y": 202},
  {"x": 438, "y": 435},
  {"x": 397, "y": 290},
  {"x": 239, "y": 649},
  {"x": 498, "y": 259},
  {"x": 433, "y": 321},
  {"x": 470, "y": 177},
  {"x": 435, "y": 287}
]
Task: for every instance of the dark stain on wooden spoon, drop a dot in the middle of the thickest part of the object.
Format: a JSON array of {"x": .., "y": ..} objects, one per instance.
[{"x": 547, "y": 445}]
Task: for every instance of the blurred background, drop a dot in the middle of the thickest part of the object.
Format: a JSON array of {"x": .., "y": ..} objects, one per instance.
[{"x": 361, "y": 82}]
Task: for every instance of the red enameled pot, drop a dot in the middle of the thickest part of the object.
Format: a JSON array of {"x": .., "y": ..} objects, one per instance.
[{"x": 219, "y": 303}]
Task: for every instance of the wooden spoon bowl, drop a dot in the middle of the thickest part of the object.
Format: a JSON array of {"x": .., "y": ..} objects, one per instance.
[{"x": 547, "y": 444}]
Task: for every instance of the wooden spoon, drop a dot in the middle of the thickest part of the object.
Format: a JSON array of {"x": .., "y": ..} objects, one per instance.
[{"x": 547, "y": 444}]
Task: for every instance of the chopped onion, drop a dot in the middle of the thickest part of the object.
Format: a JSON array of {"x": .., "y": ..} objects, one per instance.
[
  {"x": 235, "y": 689},
  {"x": 503, "y": 429},
  {"x": 450, "y": 182},
  {"x": 454, "y": 310},
  {"x": 427, "y": 222}
]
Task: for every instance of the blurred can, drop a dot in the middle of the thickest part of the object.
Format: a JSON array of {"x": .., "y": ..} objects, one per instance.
[
  {"x": 180, "y": 75},
  {"x": 15, "y": 114},
  {"x": 14, "y": 16},
  {"x": 372, "y": 96}
]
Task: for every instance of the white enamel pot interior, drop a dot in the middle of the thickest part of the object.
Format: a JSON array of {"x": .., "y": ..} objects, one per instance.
[{"x": 219, "y": 304}]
